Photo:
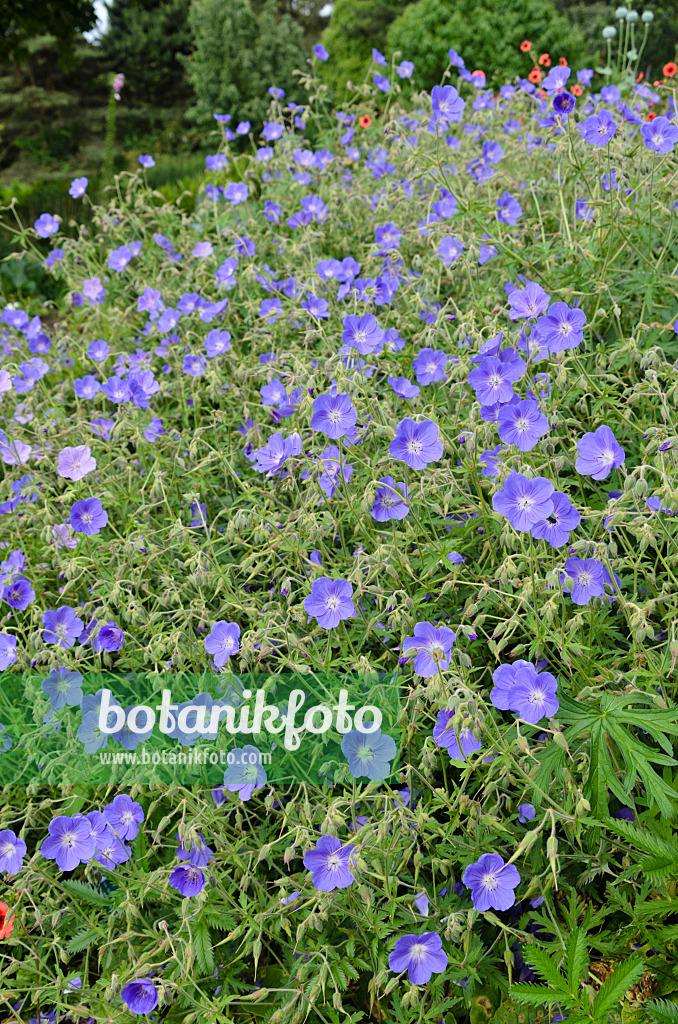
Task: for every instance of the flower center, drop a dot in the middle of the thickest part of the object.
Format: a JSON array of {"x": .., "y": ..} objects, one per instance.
[
  {"x": 414, "y": 447},
  {"x": 489, "y": 881},
  {"x": 332, "y": 603}
]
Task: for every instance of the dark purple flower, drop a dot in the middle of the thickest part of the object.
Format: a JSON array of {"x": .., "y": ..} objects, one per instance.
[
  {"x": 140, "y": 996},
  {"x": 329, "y": 864},
  {"x": 564, "y": 102},
  {"x": 188, "y": 880},
  {"x": 18, "y": 594},
  {"x": 419, "y": 955}
]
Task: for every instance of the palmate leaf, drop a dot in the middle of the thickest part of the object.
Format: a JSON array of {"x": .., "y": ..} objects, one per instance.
[{"x": 609, "y": 726}]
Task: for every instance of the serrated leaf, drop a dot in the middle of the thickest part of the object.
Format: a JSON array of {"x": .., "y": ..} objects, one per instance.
[
  {"x": 89, "y": 894},
  {"x": 577, "y": 960},
  {"x": 662, "y": 1011},
  {"x": 611, "y": 994},
  {"x": 202, "y": 941},
  {"x": 83, "y": 940}
]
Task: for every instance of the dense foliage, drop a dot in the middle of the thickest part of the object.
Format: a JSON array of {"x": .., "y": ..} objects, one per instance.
[{"x": 395, "y": 398}]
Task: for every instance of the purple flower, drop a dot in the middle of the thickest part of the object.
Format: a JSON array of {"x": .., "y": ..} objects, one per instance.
[
  {"x": 659, "y": 135},
  {"x": 63, "y": 689},
  {"x": 403, "y": 387},
  {"x": 12, "y": 852},
  {"x": 362, "y": 333},
  {"x": 419, "y": 955},
  {"x": 416, "y": 444},
  {"x": 504, "y": 676},
  {"x": 564, "y": 102},
  {"x": 491, "y": 460},
  {"x": 526, "y": 812},
  {"x": 18, "y": 594},
  {"x": 588, "y": 577},
  {"x": 333, "y": 415},
  {"x": 110, "y": 638},
  {"x": 199, "y": 854},
  {"x": 93, "y": 290},
  {"x": 86, "y": 387},
  {"x": 598, "y": 453},
  {"x": 528, "y": 302},
  {"x": 509, "y": 210},
  {"x": 445, "y": 736},
  {"x": 320, "y": 53},
  {"x": 556, "y": 79},
  {"x": 429, "y": 366},
  {"x": 597, "y": 129},
  {"x": 557, "y": 526},
  {"x": 390, "y": 501},
  {"x": 405, "y": 69},
  {"x": 522, "y": 424},
  {"x": 491, "y": 882},
  {"x": 75, "y": 463},
  {"x": 450, "y": 249},
  {"x": 188, "y": 880},
  {"x": 447, "y": 105},
  {"x": 46, "y": 225},
  {"x": 533, "y": 694},
  {"x": 271, "y": 457},
  {"x": 88, "y": 516},
  {"x": 368, "y": 754},
  {"x": 492, "y": 379},
  {"x": 140, "y": 996},
  {"x": 272, "y": 131},
  {"x": 236, "y": 192},
  {"x": 62, "y": 627},
  {"x": 7, "y": 651},
  {"x": 78, "y": 187},
  {"x": 433, "y": 646},
  {"x": 69, "y": 842},
  {"x": 245, "y": 773},
  {"x": 524, "y": 502},
  {"x": 562, "y": 327},
  {"x": 216, "y": 343},
  {"x": 330, "y": 601},
  {"x": 146, "y": 161},
  {"x": 329, "y": 864},
  {"x": 124, "y": 816},
  {"x": 223, "y": 641}
]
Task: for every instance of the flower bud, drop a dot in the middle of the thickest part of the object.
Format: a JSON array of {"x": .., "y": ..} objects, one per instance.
[{"x": 609, "y": 32}]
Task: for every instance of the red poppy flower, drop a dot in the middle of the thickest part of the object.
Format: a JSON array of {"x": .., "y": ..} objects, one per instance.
[
  {"x": 651, "y": 116},
  {"x": 640, "y": 77},
  {"x": 534, "y": 76},
  {"x": 670, "y": 69},
  {"x": 365, "y": 121},
  {"x": 545, "y": 60},
  {"x": 481, "y": 73},
  {"x": 576, "y": 89},
  {"x": 526, "y": 46},
  {"x": 563, "y": 62},
  {"x": 5, "y": 925}
]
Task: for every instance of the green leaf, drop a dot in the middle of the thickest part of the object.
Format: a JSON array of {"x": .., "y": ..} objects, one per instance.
[
  {"x": 83, "y": 939},
  {"x": 577, "y": 960},
  {"x": 89, "y": 894},
  {"x": 662, "y": 1011},
  {"x": 532, "y": 995},
  {"x": 545, "y": 964},
  {"x": 510, "y": 1013},
  {"x": 204, "y": 954},
  {"x": 612, "y": 992}
]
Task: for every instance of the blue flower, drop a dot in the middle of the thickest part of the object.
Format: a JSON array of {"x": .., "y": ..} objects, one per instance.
[{"x": 369, "y": 754}]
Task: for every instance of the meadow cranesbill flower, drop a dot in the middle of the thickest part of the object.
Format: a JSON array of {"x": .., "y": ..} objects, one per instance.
[
  {"x": 557, "y": 526},
  {"x": 78, "y": 187},
  {"x": 429, "y": 366},
  {"x": 199, "y": 854},
  {"x": 598, "y": 129},
  {"x": 110, "y": 638},
  {"x": 111, "y": 850},
  {"x": 526, "y": 812},
  {"x": 588, "y": 577},
  {"x": 368, "y": 754},
  {"x": 75, "y": 463},
  {"x": 447, "y": 105},
  {"x": 524, "y": 502},
  {"x": 490, "y": 461},
  {"x": 320, "y": 53},
  {"x": 445, "y": 736},
  {"x": 419, "y": 955},
  {"x": 416, "y": 444},
  {"x": 433, "y": 646},
  {"x": 564, "y": 102},
  {"x": 533, "y": 694},
  {"x": 46, "y": 225},
  {"x": 245, "y": 773},
  {"x": 493, "y": 378},
  {"x": 329, "y": 864},
  {"x": 562, "y": 327},
  {"x": 188, "y": 879},
  {"x": 390, "y": 501},
  {"x": 330, "y": 601},
  {"x": 18, "y": 594},
  {"x": 223, "y": 641},
  {"x": 599, "y": 452},
  {"x": 69, "y": 842},
  {"x": 140, "y": 996},
  {"x": 333, "y": 415},
  {"x": 88, "y": 516},
  {"x": 522, "y": 424},
  {"x": 509, "y": 210},
  {"x": 403, "y": 387},
  {"x": 7, "y": 651},
  {"x": 146, "y": 160},
  {"x": 504, "y": 676},
  {"x": 659, "y": 135},
  {"x": 12, "y": 852},
  {"x": 491, "y": 882},
  {"x": 124, "y": 816},
  {"x": 405, "y": 69},
  {"x": 362, "y": 333},
  {"x": 271, "y": 457},
  {"x": 62, "y": 626},
  {"x": 528, "y": 302},
  {"x": 63, "y": 688}
]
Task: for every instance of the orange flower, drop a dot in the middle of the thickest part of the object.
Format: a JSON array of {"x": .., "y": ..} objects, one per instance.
[
  {"x": 526, "y": 46},
  {"x": 670, "y": 69},
  {"x": 651, "y": 116},
  {"x": 545, "y": 60},
  {"x": 576, "y": 89},
  {"x": 5, "y": 925},
  {"x": 534, "y": 76},
  {"x": 640, "y": 77},
  {"x": 563, "y": 62},
  {"x": 365, "y": 121}
]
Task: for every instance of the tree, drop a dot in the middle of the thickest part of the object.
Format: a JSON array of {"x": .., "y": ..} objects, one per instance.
[
  {"x": 238, "y": 56},
  {"x": 355, "y": 27},
  {"x": 486, "y": 33},
  {"x": 144, "y": 40},
  {"x": 22, "y": 20}
]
